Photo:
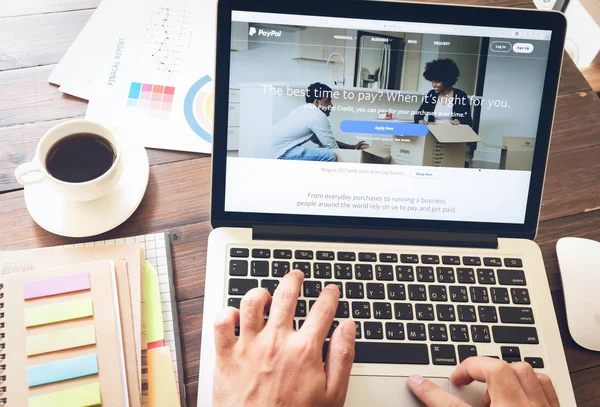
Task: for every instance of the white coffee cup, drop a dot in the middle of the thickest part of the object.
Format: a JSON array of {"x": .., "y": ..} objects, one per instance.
[{"x": 35, "y": 171}]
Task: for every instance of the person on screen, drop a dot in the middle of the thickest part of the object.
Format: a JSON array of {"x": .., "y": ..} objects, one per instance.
[
  {"x": 444, "y": 104},
  {"x": 308, "y": 122}
]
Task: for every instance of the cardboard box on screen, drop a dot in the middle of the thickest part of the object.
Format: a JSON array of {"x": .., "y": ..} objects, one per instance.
[
  {"x": 517, "y": 153},
  {"x": 445, "y": 145},
  {"x": 371, "y": 155}
]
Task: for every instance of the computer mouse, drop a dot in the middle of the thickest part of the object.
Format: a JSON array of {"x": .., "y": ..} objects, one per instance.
[{"x": 579, "y": 262}]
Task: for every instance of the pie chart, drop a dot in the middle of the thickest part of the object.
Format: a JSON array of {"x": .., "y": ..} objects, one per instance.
[{"x": 198, "y": 108}]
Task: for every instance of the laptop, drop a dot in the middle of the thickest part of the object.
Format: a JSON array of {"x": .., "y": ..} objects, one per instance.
[{"x": 397, "y": 150}]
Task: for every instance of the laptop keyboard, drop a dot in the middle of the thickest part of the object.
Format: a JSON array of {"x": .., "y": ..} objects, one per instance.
[{"x": 408, "y": 308}]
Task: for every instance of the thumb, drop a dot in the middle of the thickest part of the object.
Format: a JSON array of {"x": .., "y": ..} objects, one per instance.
[
  {"x": 340, "y": 358},
  {"x": 432, "y": 395}
]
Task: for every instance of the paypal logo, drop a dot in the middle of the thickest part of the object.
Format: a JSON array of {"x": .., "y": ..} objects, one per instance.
[{"x": 264, "y": 33}]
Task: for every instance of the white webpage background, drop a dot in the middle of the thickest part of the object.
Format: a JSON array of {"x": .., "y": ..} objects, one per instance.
[{"x": 276, "y": 186}]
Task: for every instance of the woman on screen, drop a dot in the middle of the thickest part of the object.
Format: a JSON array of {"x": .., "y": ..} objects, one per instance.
[{"x": 444, "y": 104}]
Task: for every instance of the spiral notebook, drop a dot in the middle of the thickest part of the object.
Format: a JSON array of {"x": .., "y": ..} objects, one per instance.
[{"x": 60, "y": 338}]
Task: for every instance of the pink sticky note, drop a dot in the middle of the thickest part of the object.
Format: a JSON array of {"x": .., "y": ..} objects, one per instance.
[{"x": 57, "y": 285}]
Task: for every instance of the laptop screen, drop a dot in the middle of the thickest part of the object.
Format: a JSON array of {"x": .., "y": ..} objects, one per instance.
[{"x": 382, "y": 119}]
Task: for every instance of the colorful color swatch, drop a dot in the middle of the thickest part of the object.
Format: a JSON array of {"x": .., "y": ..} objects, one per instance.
[
  {"x": 57, "y": 285},
  {"x": 88, "y": 395},
  {"x": 62, "y": 370},
  {"x": 64, "y": 311},
  {"x": 151, "y": 97}
]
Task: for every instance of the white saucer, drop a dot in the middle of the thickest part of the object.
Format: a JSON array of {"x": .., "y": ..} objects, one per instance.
[{"x": 65, "y": 217}]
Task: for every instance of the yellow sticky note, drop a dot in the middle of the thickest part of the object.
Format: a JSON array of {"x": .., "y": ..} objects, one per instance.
[
  {"x": 64, "y": 311},
  {"x": 60, "y": 340},
  {"x": 162, "y": 387},
  {"x": 83, "y": 396}
]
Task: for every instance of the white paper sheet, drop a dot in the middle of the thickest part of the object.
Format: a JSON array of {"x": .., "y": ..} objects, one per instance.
[
  {"x": 78, "y": 67},
  {"x": 166, "y": 47}
]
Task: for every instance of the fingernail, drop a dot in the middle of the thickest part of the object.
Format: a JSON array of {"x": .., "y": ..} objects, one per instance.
[
  {"x": 415, "y": 380},
  {"x": 349, "y": 330}
]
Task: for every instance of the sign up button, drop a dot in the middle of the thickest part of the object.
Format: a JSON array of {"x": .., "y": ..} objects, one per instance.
[{"x": 523, "y": 48}]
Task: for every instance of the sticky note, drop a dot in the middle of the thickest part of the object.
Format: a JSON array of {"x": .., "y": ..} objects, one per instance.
[
  {"x": 57, "y": 285},
  {"x": 82, "y": 396},
  {"x": 154, "y": 322},
  {"x": 62, "y": 370},
  {"x": 64, "y": 311},
  {"x": 60, "y": 340},
  {"x": 162, "y": 387}
]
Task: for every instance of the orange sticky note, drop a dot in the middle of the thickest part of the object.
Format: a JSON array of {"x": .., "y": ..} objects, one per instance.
[{"x": 162, "y": 387}]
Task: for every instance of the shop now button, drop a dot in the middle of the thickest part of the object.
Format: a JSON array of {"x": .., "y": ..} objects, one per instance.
[
  {"x": 423, "y": 174},
  {"x": 523, "y": 48}
]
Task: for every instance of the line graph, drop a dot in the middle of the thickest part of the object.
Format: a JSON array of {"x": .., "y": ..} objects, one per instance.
[{"x": 169, "y": 36}]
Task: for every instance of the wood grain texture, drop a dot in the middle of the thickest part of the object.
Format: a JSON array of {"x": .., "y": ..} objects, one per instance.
[
  {"x": 592, "y": 75},
  {"x": 40, "y": 39},
  {"x": 587, "y": 390},
  {"x": 571, "y": 185},
  {"x": 27, "y": 98},
  {"x": 28, "y": 7},
  {"x": 571, "y": 79}
]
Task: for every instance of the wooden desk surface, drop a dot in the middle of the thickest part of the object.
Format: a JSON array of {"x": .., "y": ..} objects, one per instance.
[{"x": 34, "y": 34}]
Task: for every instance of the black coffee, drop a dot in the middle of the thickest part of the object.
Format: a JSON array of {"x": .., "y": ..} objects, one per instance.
[{"x": 80, "y": 157}]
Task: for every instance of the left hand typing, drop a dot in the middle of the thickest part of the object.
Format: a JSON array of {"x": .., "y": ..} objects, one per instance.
[{"x": 273, "y": 365}]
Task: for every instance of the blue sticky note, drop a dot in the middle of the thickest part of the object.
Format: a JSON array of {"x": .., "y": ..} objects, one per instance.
[
  {"x": 62, "y": 370},
  {"x": 134, "y": 90}
]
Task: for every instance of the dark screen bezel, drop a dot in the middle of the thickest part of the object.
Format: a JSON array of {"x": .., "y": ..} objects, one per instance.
[{"x": 412, "y": 12}]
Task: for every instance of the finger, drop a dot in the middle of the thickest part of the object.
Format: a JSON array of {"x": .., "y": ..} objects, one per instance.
[
  {"x": 252, "y": 311},
  {"x": 285, "y": 298},
  {"x": 486, "y": 399},
  {"x": 225, "y": 324},
  {"x": 502, "y": 383},
  {"x": 549, "y": 390},
  {"x": 530, "y": 383},
  {"x": 320, "y": 317},
  {"x": 340, "y": 357},
  {"x": 432, "y": 395}
]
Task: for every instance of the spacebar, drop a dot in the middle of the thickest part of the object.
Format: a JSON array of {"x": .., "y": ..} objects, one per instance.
[{"x": 395, "y": 353}]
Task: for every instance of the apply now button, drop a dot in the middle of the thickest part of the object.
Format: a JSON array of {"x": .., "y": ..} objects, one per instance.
[{"x": 382, "y": 127}]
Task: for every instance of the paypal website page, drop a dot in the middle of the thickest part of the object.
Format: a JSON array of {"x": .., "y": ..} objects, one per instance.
[{"x": 370, "y": 118}]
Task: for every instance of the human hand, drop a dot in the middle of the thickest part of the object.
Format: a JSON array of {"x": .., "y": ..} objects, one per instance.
[
  {"x": 361, "y": 145},
  {"x": 514, "y": 384},
  {"x": 273, "y": 365},
  {"x": 422, "y": 122},
  {"x": 455, "y": 121}
]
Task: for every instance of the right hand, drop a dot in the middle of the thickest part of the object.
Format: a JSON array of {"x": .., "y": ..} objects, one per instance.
[
  {"x": 422, "y": 122},
  {"x": 514, "y": 384}
]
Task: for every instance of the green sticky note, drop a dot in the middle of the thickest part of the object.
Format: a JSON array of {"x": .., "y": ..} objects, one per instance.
[
  {"x": 83, "y": 396},
  {"x": 154, "y": 318}
]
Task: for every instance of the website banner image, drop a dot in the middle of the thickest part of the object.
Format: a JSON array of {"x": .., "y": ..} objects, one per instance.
[{"x": 434, "y": 101}]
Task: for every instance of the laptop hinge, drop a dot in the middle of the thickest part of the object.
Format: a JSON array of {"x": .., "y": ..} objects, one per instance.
[{"x": 382, "y": 236}]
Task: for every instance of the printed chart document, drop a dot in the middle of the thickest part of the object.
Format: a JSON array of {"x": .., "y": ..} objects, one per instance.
[{"x": 157, "y": 82}]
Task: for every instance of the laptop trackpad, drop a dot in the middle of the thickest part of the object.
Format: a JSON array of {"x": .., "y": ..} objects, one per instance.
[{"x": 384, "y": 391}]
